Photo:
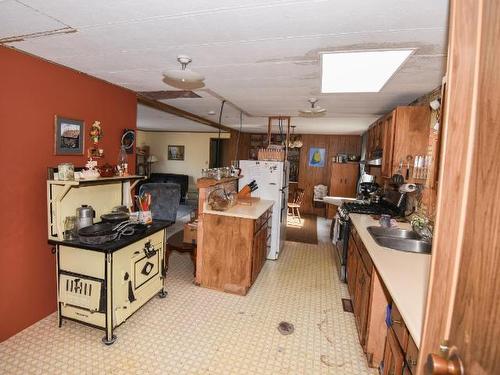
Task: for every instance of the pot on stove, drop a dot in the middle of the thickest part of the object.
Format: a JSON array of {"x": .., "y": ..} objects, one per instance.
[{"x": 84, "y": 216}]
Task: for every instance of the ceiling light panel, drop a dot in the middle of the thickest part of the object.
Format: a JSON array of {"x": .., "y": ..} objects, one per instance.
[{"x": 366, "y": 71}]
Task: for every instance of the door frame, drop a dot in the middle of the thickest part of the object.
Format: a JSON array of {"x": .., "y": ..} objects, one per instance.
[{"x": 458, "y": 164}]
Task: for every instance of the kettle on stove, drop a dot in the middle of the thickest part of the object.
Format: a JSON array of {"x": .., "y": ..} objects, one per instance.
[{"x": 84, "y": 216}]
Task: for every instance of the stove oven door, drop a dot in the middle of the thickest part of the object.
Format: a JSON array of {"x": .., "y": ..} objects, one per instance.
[
  {"x": 137, "y": 275},
  {"x": 146, "y": 267},
  {"x": 341, "y": 246}
]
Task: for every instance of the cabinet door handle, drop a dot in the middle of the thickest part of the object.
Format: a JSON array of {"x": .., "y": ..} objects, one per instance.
[{"x": 396, "y": 321}]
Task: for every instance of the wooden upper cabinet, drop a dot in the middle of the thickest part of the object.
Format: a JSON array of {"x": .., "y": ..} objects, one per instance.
[
  {"x": 405, "y": 131},
  {"x": 411, "y": 133},
  {"x": 375, "y": 138},
  {"x": 387, "y": 144}
]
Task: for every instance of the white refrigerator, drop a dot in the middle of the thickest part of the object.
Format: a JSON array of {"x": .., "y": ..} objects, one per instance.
[{"x": 272, "y": 180}]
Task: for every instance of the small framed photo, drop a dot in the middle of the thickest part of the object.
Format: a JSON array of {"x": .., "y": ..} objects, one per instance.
[
  {"x": 175, "y": 152},
  {"x": 69, "y": 136}
]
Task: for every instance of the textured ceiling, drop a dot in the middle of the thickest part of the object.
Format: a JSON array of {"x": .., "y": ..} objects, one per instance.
[{"x": 263, "y": 56}]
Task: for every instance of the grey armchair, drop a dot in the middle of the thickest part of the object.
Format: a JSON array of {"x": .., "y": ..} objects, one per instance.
[{"x": 165, "y": 198}]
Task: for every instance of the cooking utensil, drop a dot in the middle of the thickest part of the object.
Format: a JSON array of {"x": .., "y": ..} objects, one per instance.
[
  {"x": 115, "y": 217},
  {"x": 96, "y": 230},
  {"x": 84, "y": 216},
  {"x": 409, "y": 159},
  {"x": 120, "y": 208},
  {"x": 398, "y": 178},
  {"x": 100, "y": 233}
]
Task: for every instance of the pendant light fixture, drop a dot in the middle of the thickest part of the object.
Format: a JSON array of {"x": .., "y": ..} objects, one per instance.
[
  {"x": 183, "y": 78},
  {"x": 314, "y": 111},
  {"x": 295, "y": 140}
]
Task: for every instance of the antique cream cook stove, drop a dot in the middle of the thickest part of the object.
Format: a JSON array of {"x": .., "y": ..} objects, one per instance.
[{"x": 102, "y": 285}]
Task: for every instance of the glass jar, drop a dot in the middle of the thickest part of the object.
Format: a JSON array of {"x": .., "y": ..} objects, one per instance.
[
  {"x": 69, "y": 228},
  {"x": 66, "y": 172}
]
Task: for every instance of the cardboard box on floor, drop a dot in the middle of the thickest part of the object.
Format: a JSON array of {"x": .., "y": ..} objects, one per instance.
[{"x": 190, "y": 232}]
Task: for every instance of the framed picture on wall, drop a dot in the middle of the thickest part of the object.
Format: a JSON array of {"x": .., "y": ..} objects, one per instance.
[
  {"x": 175, "y": 152},
  {"x": 316, "y": 157},
  {"x": 69, "y": 136}
]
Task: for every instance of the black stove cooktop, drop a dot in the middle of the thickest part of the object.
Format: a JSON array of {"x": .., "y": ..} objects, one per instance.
[{"x": 366, "y": 208}]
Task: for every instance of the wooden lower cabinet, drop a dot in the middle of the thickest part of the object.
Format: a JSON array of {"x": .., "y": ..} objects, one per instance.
[
  {"x": 259, "y": 250},
  {"x": 392, "y": 346},
  {"x": 362, "y": 298},
  {"x": 352, "y": 268},
  {"x": 411, "y": 357},
  {"x": 369, "y": 300},
  {"x": 393, "y": 356},
  {"x": 234, "y": 251},
  {"x": 401, "y": 353}
]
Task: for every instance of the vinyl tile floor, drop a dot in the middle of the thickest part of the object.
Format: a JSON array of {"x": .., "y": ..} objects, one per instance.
[{"x": 201, "y": 331}]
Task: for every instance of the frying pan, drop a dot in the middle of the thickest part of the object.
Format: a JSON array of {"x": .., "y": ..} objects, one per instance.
[
  {"x": 115, "y": 217},
  {"x": 100, "y": 233},
  {"x": 100, "y": 229}
]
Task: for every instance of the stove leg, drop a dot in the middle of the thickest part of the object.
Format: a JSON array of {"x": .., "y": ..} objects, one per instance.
[
  {"x": 110, "y": 338},
  {"x": 162, "y": 293},
  {"x": 109, "y": 341}
]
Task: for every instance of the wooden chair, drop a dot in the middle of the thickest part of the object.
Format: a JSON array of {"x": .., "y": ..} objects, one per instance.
[{"x": 296, "y": 203}]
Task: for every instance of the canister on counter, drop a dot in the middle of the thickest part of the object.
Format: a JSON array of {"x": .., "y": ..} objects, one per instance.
[{"x": 66, "y": 172}]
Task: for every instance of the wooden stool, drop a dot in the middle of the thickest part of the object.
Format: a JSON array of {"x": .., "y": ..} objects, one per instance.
[{"x": 175, "y": 242}]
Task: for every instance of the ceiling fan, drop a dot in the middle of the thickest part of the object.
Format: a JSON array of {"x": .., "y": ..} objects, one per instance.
[
  {"x": 183, "y": 78},
  {"x": 314, "y": 111}
]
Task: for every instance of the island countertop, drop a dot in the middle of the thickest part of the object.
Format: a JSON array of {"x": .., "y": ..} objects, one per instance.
[
  {"x": 253, "y": 211},
  {"x": 405, "y": 275}
]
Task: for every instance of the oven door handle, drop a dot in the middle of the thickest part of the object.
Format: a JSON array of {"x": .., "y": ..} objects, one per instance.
[{"x": 131, "y": 296}]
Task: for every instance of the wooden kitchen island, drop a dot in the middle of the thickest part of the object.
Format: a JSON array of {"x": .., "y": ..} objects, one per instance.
[{"x": 235, "y": 245}]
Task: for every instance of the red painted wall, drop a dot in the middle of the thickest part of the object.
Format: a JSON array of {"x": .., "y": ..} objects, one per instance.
[{"x": 32, "y": 92}]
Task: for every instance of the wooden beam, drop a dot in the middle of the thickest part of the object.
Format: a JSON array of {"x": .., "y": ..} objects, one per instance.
[{"x": 141, "y": 99}]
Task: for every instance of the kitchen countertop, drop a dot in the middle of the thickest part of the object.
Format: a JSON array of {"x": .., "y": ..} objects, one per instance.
[
  {"x": 337, "y": 201},
  {"x": 243, "y": 211},
  {"x": 405, "y": 275},
  {"x": 112, "y": 246}
]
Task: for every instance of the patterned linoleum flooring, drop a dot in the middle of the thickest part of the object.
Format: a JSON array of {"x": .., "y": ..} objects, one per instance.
[{"x": 200, "y": 331}]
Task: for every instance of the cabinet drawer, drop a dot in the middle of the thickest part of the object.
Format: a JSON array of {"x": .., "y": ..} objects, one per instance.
[
  {"x": 261, "y": 221},
  {"x": 399, "y": 327},
  {"x": 411, "y": 355},
  {"x": 96, "y": 319}
]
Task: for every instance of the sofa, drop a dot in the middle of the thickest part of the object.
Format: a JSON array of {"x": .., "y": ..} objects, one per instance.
[
  {"x": 165, "y": 198},
  {"x": 181, "y": 179}
]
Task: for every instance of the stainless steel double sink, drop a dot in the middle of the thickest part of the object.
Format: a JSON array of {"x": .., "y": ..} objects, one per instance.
[{"x": 400, "y": 239}]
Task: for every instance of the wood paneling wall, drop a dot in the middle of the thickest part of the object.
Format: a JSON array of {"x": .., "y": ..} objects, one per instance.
[
  {"x": 311, "y": 176},
  {"x": 308, "y": 176}
]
